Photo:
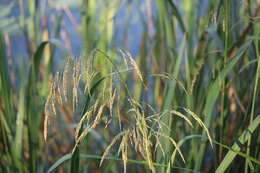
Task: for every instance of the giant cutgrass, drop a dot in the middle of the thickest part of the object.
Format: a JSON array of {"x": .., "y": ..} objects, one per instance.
[
  {"x": 193, "y": 84},
  {"x": 141, "y": 130}
]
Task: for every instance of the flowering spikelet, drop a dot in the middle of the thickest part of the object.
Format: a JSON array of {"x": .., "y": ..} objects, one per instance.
[
  {"x": 91, "y": 126},
  {"x": 158, "y": 143},
  {"x": 76, "y": 80},
  {"x": 84, "y": 117},
  {"x": 174, "y": 143},
  {"x": 133, "y": 63},
  {"x": 196, "y": 74},
  {"x": 66, "y": 79},
  {"x": 115, "y": 139},
  {"x": 182, "y": 116},
  {"x": 141, "y": 124},
  {"x": 47, "y": 117},
  {"x": 123, "y": 148},
  {"x": 56, "y": 89},
  {"x": 89, "y": 77},
  {"x": 111, "y": 102},
  {"x": 196, "y": 117},
  {"x": 49, "y": 109},
  {"x": 59, "y": 95},
  {"x": 118, "y": 114},
  {"x": 142, "y": 134}
]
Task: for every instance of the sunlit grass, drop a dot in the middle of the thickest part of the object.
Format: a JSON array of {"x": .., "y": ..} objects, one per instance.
[{"x": 187, "y": 102}]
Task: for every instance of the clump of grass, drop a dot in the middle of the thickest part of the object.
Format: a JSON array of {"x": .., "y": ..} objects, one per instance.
[
  {"x": 142, "y": 129},
  {"x": 188, "y": 95}
]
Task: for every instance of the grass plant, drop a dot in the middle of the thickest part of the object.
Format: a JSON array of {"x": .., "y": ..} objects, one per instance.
[{"x": 186, "y": 101}]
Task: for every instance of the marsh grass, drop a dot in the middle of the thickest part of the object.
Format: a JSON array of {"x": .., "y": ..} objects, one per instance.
[
  {"x": 139, "y": 133},
  {"x": 187, "y": 102}
]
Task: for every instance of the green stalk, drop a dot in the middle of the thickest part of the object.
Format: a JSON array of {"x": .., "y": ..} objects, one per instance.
[
  {"x": 7, "y": 115},
  {"x": 31, "y": 27},
  {"x": 49, "y": 65},
  {"x": 254, "y": 94},
  {"x": 222, "y": 99},
  {"x": 5, "y": 84},
  {"x": 21, "y": 15},
  {"x": 20, "y": 117},
  {"x": 34, "y": 106},
  {"x": 167, "y": 105},
  {"x": 166, "y": 36},
  {"x": 105, "y": 27},
  {"x": 245, "y": 136},
  {"x": 74, "y": 166},
  {"x": 212, "y": 96},
  {"x": 88, "y": 8},
  {"x": 87, "y": 156}
]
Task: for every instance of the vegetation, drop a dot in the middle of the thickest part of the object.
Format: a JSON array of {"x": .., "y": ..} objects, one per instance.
[{"x": 188, "y": 101}]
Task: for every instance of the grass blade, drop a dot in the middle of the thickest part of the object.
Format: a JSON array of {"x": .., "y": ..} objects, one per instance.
[
  {"x": 212, "y": 97},
  {"x": 237, "y": 145},
  {"x": 67, "y": 157}
]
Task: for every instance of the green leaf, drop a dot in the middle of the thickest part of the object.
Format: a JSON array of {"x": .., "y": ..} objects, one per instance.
[
  {"x": 177, "y": 15},
  {"x": 237, "y": 145},
  {"x": 67, "y": 157},
  {"x": 75, "y": 155},
  {"x": 34, "y": 109},
  {"x": 59, "y": 162},
  {"x": 212, "y": 96}
]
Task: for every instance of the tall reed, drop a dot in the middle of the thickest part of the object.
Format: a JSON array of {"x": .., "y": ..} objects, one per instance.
[{"x": 186, "y": 102}]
